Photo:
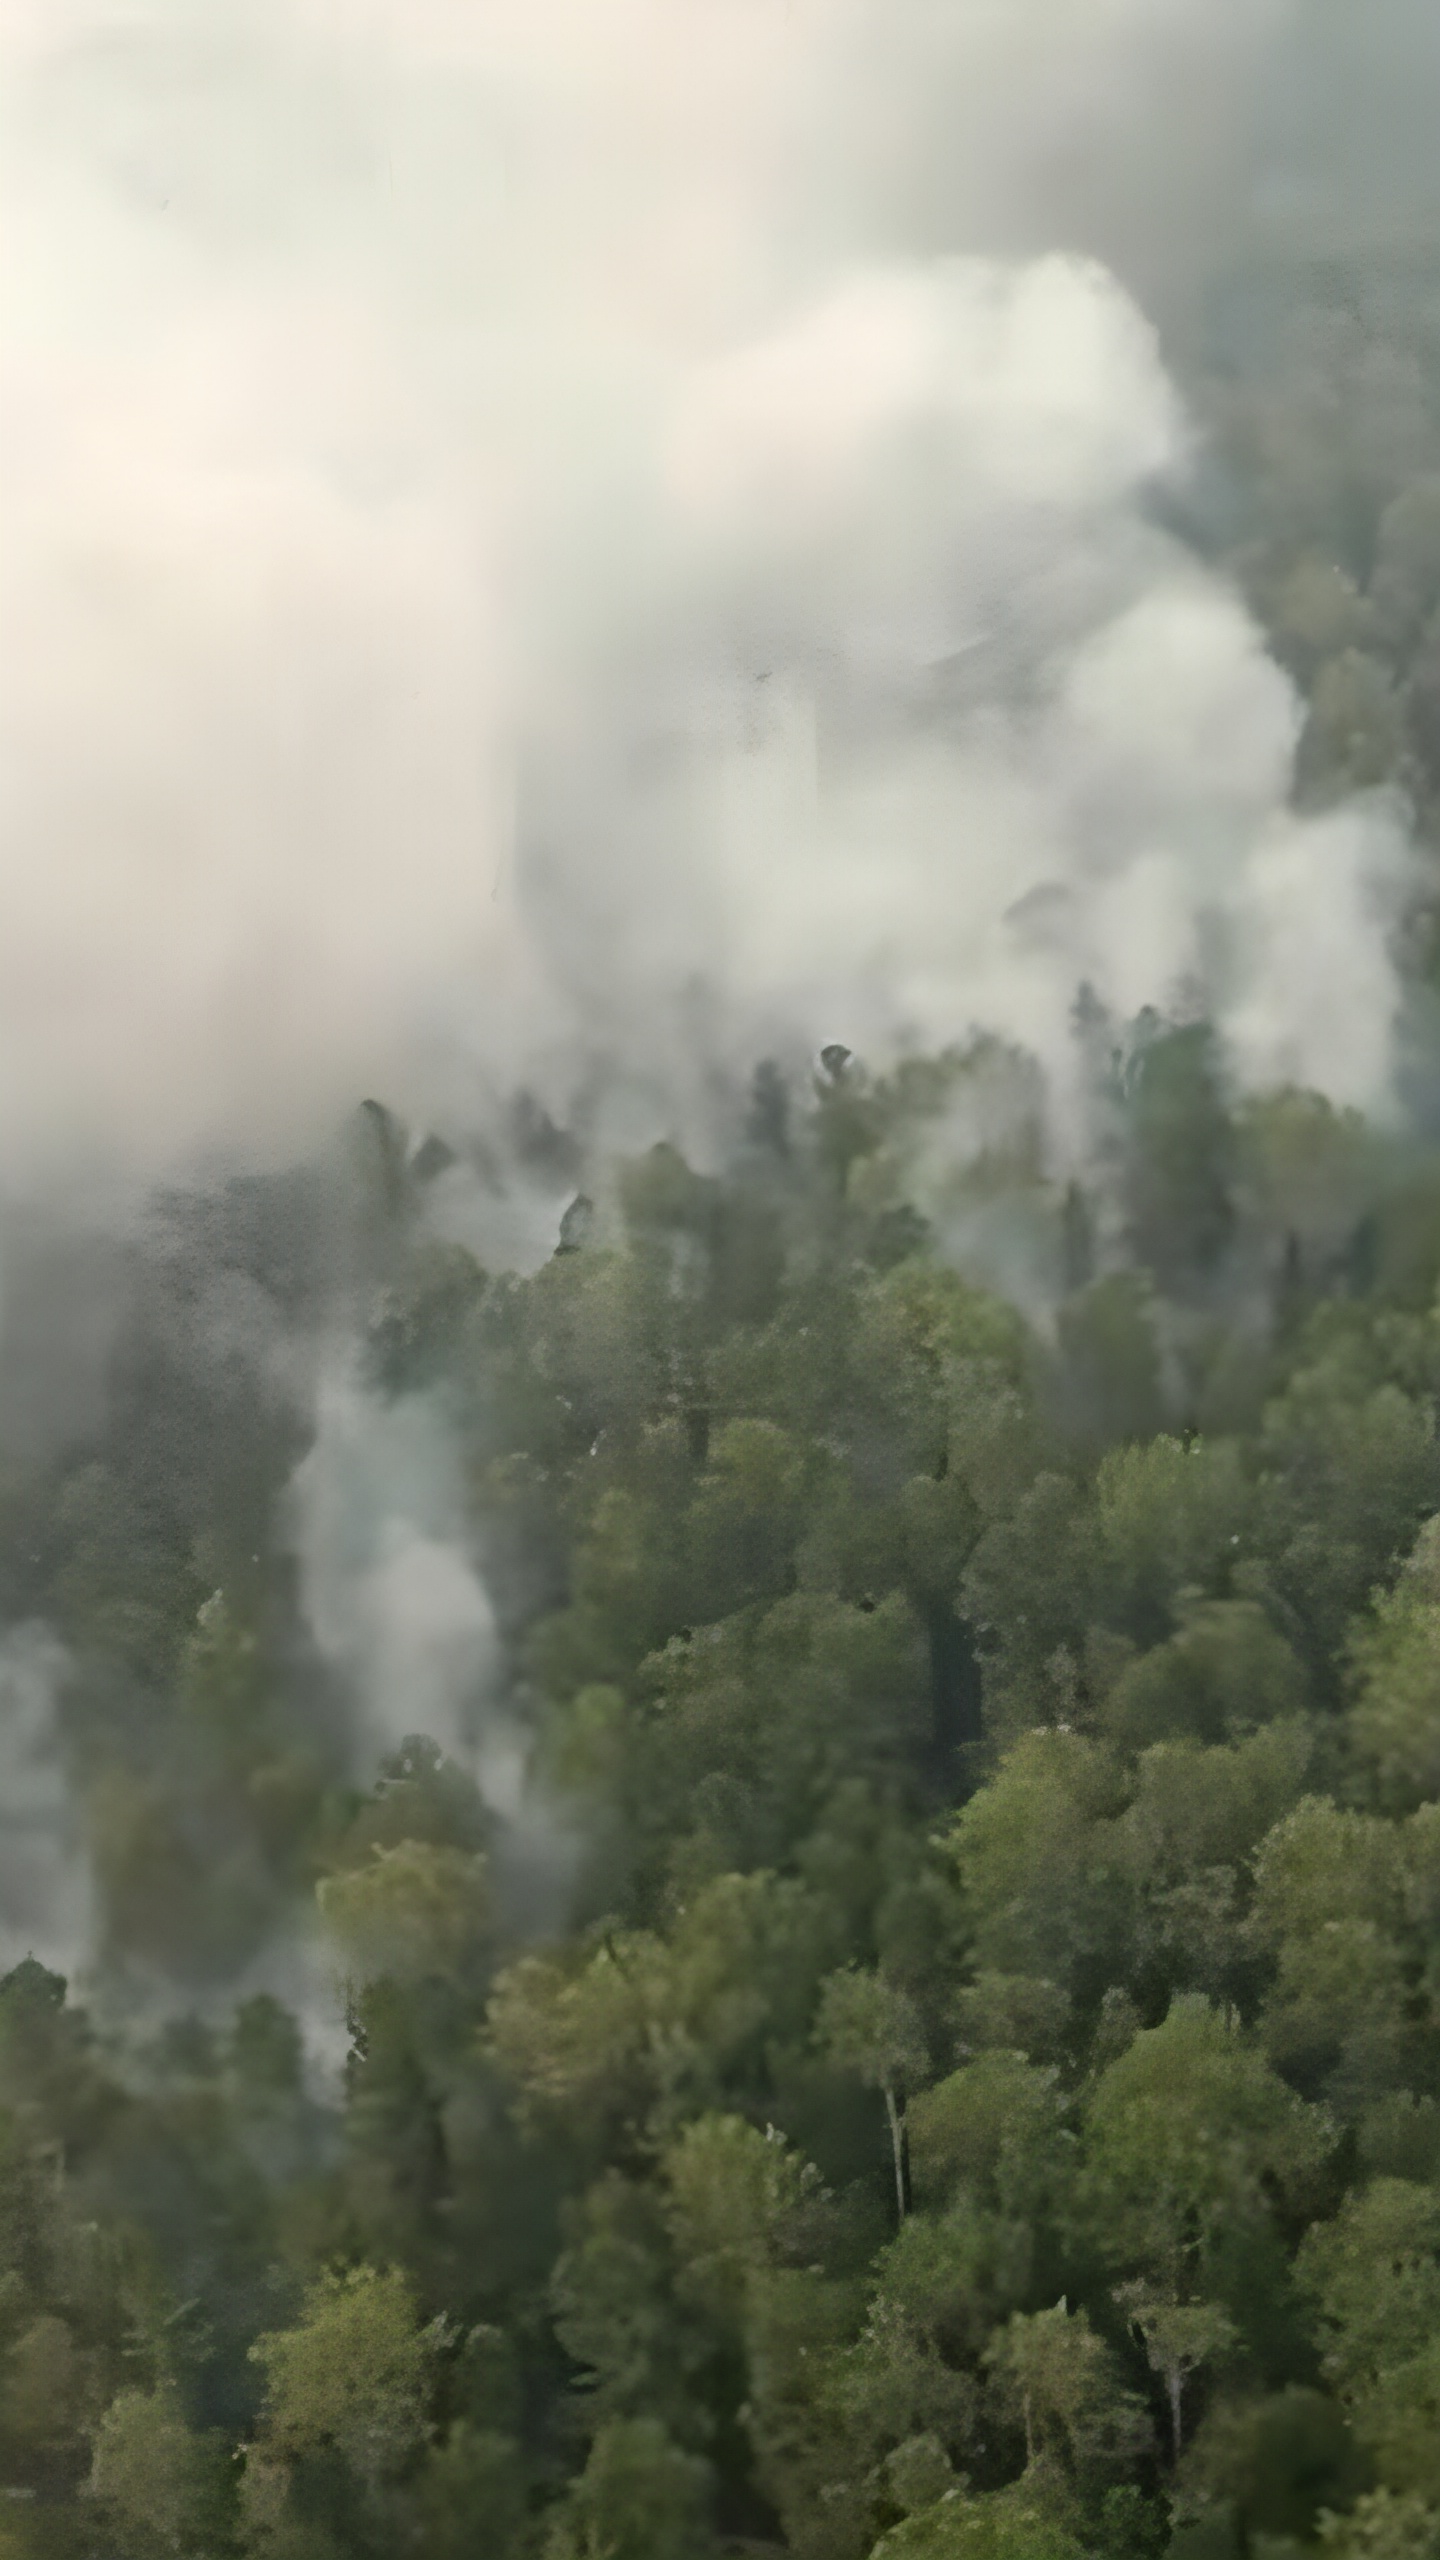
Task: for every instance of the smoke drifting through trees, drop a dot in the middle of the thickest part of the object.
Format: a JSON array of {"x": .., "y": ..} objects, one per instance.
[{"x": 812, "y": 1682}]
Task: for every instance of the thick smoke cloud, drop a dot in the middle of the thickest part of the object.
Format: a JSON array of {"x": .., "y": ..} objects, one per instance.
[
  {"x": 541, "y": 525},
  {"x": 1006, "y": 737}
]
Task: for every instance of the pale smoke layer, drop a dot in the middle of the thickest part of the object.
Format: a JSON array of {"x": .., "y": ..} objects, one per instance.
[
  {"x": 45, "y": 1887},
  {"x": 1005, "y": 737},
  {"x": 390, "y": 1596},
  {"x": 394, "y": 1601},
  {"x": 520, "y": 506},
  {"x": 395, "y": 1604}
]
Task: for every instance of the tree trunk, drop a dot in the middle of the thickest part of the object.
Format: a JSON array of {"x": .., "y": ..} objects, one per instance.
[
  {"x": 1176, "y": 2380},
  {"x": 897, "y": 2147}
]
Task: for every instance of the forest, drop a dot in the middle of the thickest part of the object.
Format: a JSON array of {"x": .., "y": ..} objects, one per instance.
[{"x": 938, "y": 2057}]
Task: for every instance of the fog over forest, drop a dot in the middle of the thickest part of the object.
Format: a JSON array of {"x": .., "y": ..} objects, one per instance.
[{"x": 720, "y": 1280}]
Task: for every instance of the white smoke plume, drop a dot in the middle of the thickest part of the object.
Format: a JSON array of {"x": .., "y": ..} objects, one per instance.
[
  {"x": 521, "y": 510},
  {"x": 392, "y": 1599}
]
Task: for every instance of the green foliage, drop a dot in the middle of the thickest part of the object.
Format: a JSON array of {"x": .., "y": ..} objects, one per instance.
[
  {"x": 350, "y": 2376},
  {"x": 1004, "y": 2526},
  {"x": 638, "y": 2498},
  {"x": 1181, "y": 2339},
  {"x": 1278, "y": 2459},
  {"x": 1395, "y": 1721},
  {"x": 945, "y": 2056},
  {"x": 1190, "y": 2134},
  {"x": 614, "y": 2310},
  {"x": 475, "y": 2473},
  {"x": 737, "y": 2203},
  {"x": 1375, "y": 2271},
  {"x": 997, "y": 2130},
  {"x": 1059, "y": 2383},
  {"x": 1038, "y": 1898},
  {"x": 416, "y": 1909},
  {"x": 1383, "y": 2527},
  {"x": 1225, "y": 1669},
  {"x": 951, "y": 2277},
  {"x": 161, "y": 2487},
  {"x": 870, "y": 2028},
  {"x": 1181, "y": 1150}
]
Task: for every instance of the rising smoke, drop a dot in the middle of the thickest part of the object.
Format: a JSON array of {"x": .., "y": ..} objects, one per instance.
[
  {"x": 45, "y": 1889},
  {"x": 388, "y": 1591},
  {"x": 546, "y": 531},
  {"x": 541, "y": 526}
]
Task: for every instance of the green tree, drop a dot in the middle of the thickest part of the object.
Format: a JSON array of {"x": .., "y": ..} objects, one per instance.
[
  {"x": 1053, "y": 2375},
  {"x": 1223, "y": 1672},
  {"x": 638, "y": 2498},
  {"x": 1179, "y": 1154},
  {"x": 1375, "y": 2272},
  {"x": 998, "y": 2131},
  {"x": 1040, "y": 1893},
  {"x": 870, "y": 2028},
  {"x": 353, "y": 2375},
  {"x": 1189, "y": 2135},
  {"x": 162, "y": 2487},
  {"x": 1329, "y": 1901},
  {"x": 615, "y": 2313},
  {"x": 737, "y": 2200},
  {"x": 414, "y": 1909},
  {"x": 572, "y": 2038},
  {"x": 474, "y": 2474},
  {"x": 1395, "y": 1720},
  {"x": 1005, "y": 2525},
  {"x": 1382, "y": 2526},
  {"x": 1276, "y": 2459},
  {"x": 1180, "y": 2339}
]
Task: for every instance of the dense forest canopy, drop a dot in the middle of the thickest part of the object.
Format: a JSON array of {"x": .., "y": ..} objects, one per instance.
[
  {"x": 770, "y": 1884},
  {"x": 901, "y": 2012}
]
